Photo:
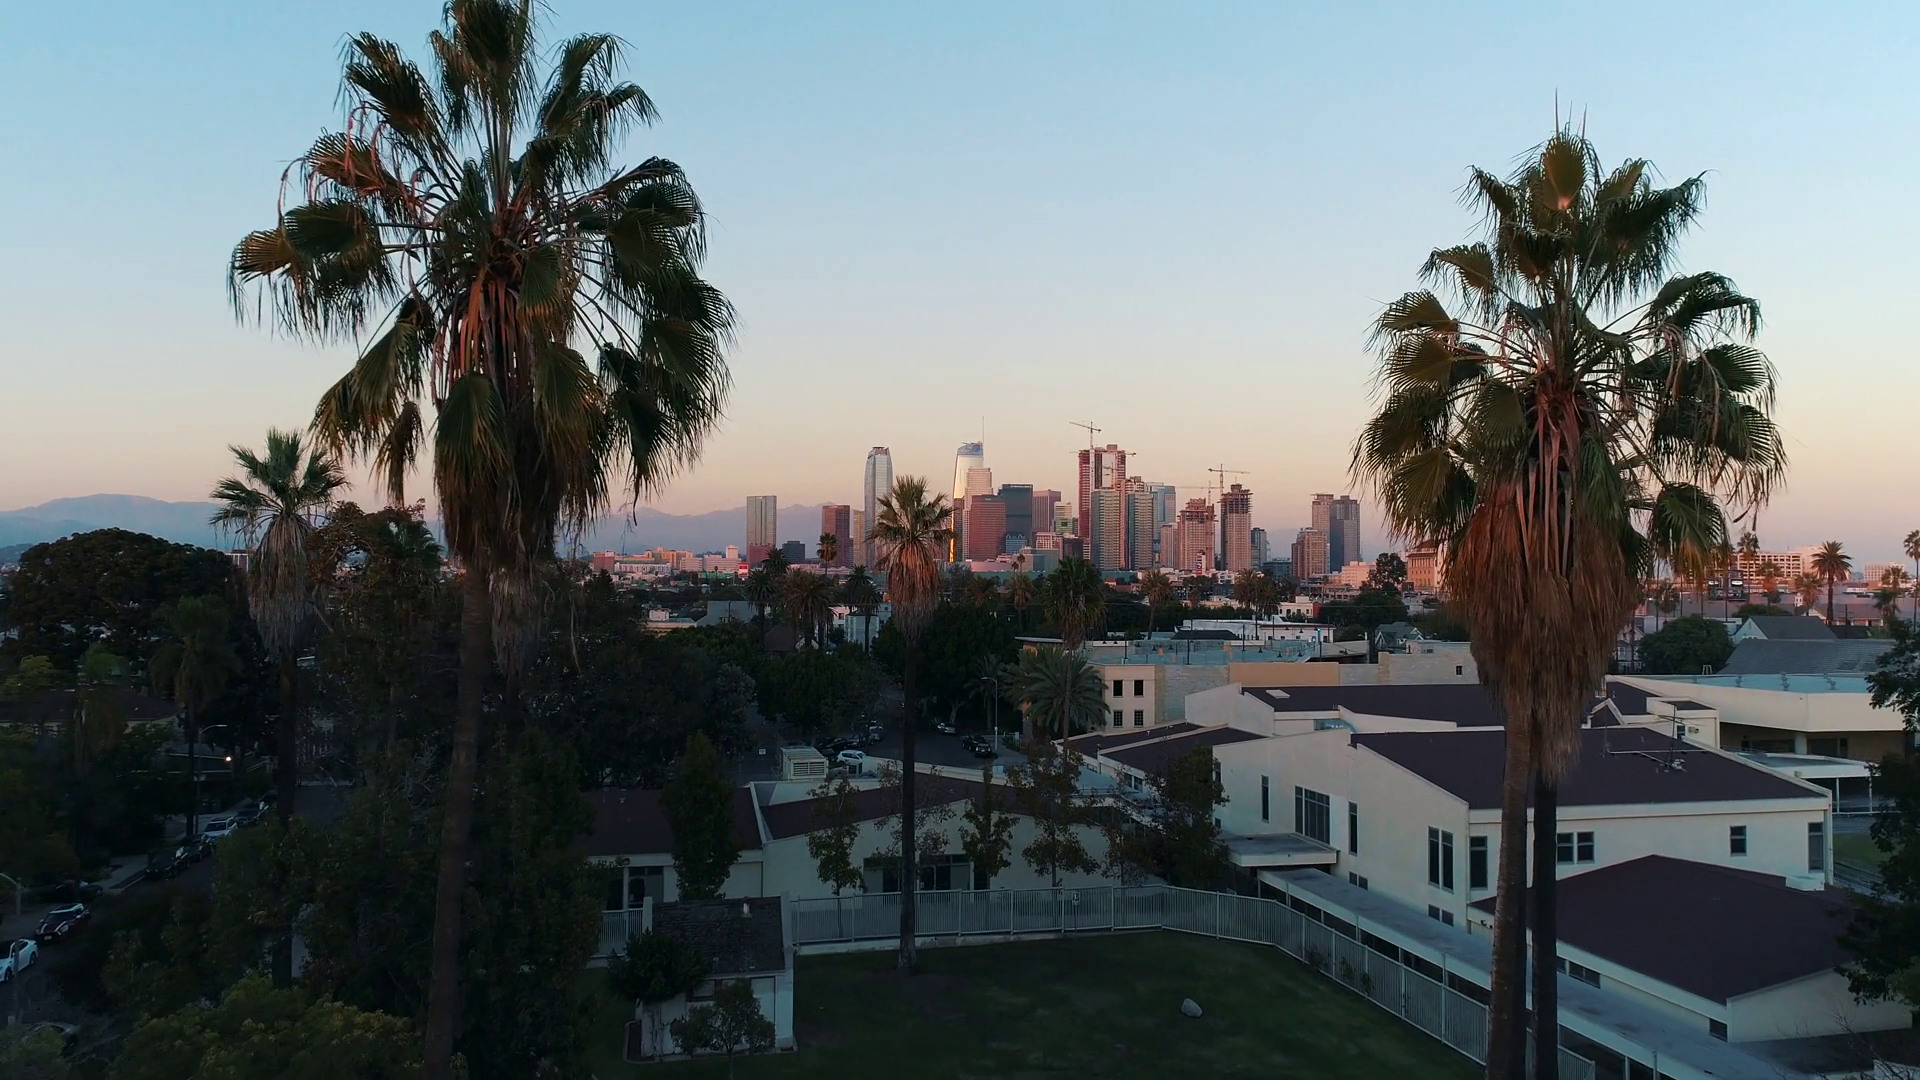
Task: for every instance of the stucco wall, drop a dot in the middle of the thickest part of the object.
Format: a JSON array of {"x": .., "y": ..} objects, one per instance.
[{"x": 1817, "y": 1005}]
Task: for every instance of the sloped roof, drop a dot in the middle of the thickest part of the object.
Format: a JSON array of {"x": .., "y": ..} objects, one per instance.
[
  {"x": 632, "y": 822},
  {"x": 798, "y": 817},
  {"x": 734, "y": 937},
  {"x": 1763, "y": 656},
  {"x": 1465, "y": 704},
  {"x": 1094, "y": 743},
  {"x": 1618, "y": 766},
  {"x": 1154, "y": 757},
  {"x": 1790, "y": 628},
  {"x": 1721, "y": 932}
]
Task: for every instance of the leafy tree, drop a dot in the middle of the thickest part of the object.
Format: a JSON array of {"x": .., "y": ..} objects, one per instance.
[
  {"x": 1748, "y": 611},
  {"x": 1059, "y": 692},
  {"x": 731, "y": 1025},
  {"x": 1074, "y": 598},
  {"x": 1571, "y": 413},
  {"x": 699, "y": 805},
  {"x": 1911, "y": 545},
  {"x": 1440, "y": 624},
  {"x": 836, "y": 829},
  {"x": 1686, "y": 646},
  {"x": 956, "y": 639},
  {"x": 986, "y": 829},
  {"x": 912, "y": 531},
  {"x": 654, "y": 969},
  {"x": 33, "y": 1052},
  {"x": 1021, "y": 592},
  {"x": 193, "y": 665},
  {"x": 1389, "y": 572},
  {"x": 107, "y": 585},
  {"x": 473, "y": 223},
  {"x": 1883, "y": 933},
  {"x": 30, "y": 842},
  {"x": 259, "y": 1033},
  {"x": 1369, "y": 609},
  {"x": 1832, "y": 565},
  {"x": 1179, "y": 841},
  {"x": 817, "y": 691},
  {"x": 1046, "y": 789}
]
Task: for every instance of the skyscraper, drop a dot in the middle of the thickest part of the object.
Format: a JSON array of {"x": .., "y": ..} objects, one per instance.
[
  {"x": 836, "y": 520},
  {"x": 1019, "y": 500},
  {"x": 857, "y": 554},
  {"x": 1338, "y": 519},
  {"x": 1236, "y": 529},
  {"x": 878, "y": 482},
  {"x": 1195, "y": 527},
  {"x": 1309, "y": 554},
  {"x": 1046, "y": 502},
  {"x": 1107, "y": 542},
  {"x": 1142, "y": 533},
  {"x": 763, "y": 527},
  {"x": 1262, "y": 554},
  {"x": 986, "y": 526},
  {"x": 970, "y": 455},
  {"x": 1100, "y": 469}
]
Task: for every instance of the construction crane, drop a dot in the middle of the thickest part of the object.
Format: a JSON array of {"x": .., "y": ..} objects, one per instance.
[
  {"x": 1220, "y": 479},
  {"x": 1091, "y": 431}
]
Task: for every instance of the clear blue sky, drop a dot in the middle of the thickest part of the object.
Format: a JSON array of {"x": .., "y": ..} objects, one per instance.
[{"x": 1174, "y": 221}]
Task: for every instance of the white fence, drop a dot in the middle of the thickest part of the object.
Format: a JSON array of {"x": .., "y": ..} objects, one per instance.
[{"x": 1385, "y": 978}]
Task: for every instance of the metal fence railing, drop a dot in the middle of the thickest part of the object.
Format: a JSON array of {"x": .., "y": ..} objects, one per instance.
[{"x": 1382, "y": 977}]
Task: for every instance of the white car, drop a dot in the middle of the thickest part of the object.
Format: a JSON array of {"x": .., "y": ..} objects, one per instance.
[
  {"x": 217, "y": 829},
  {"x": 854, "y": 760},
  {"x": 20, "y": 956}
]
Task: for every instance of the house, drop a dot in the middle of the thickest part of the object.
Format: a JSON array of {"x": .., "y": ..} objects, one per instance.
[
  {"x": 1782, "y": 628},
  {"x": 738, "y": 940},
  {"x": 1744, "y": 956}
]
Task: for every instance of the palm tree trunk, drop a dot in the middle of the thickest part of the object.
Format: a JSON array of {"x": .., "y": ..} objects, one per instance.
[
  {"x": 286, "y": 773},
  {"x": 193, "y": 771},
  {"x": 1546, "y": 888},
  {"x": 456, "y": 830},
  {"x": 1506, "y": 1007},
  {"x": 909, "y": 871},
  {"x": 1829, "y": 600}
]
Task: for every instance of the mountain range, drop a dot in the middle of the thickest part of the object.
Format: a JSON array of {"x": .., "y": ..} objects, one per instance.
[{"x": 186, "y": 523}]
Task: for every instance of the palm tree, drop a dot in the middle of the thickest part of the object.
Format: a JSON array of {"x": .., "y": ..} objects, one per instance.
[
  {"x": 1020, "y": 595},
  {"x": 1574, "y": 415},
  {"x": 1156, "y": 588},
  {"x": 761, "y": 590},
  {"x": 1059, "y": 691},
  {"x": 1199, "y": 587},
  {"x": 863, "y": 596},
  {"x": 1893, "y": 582},
  {"x": 275, "y": 503},
  {"x": 829, "y": 548},
  {"x": 1770, "y": 580},
  {"x": 806, "y": 598},
  {"x": 982, "y": 592},
  {"x": 471, "y": 221},
  {"x": 1806, "y": 589},
  {"x": 192, "y": 665},
  {"x": 1832, "y": 564},
  {"x": 910, "y": 537},
  {"x": 1074, "y": 598},
  {"x": 1244, "y": 588},
  {"x": 1912, "y": 546}
]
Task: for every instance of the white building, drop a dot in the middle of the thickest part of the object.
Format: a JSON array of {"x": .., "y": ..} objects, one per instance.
[{"x": 742, "y": 940}]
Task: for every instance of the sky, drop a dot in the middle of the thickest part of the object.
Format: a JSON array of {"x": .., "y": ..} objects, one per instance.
[{"x": 1172, "y": 221}]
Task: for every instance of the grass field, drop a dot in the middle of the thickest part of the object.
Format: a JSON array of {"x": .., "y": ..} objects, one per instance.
[
  {"x": 1105, "y": 1007},
  {"x": 1857, "y": 847}
]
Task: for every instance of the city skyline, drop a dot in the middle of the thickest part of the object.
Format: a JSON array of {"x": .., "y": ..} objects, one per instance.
[{"x": 1331, "y": 209}]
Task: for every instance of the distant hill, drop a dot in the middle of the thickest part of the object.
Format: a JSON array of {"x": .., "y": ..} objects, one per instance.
[{"x": 186, "y": 523}]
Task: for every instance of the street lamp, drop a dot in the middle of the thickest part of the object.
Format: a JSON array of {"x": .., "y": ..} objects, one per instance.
[{"x": 993, "y": 711}]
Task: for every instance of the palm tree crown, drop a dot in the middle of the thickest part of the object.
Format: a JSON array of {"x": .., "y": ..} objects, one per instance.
[
  {"x": 1074, "y": 598},
  {"x": 1060, "y": 692},
  {"x": 1833, "y": 565},
  {"x": 274, "y": 503},
  {"x": 910, "y": 535},
  {"x": 806, "y": 598}
]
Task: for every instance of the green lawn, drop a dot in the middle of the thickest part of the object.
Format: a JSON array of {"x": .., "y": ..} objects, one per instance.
[
  {"x": 1857, "y": 847},
  {"x": 1095, "y": 1006}
]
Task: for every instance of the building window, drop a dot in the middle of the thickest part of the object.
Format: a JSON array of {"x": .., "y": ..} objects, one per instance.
[
  {"x": 1717, "y": 1029},
  {"x": 1266, "y": 801},
  {"x": 1827, "y": 747},
  {"x": 1119, "y": 688},
  {"x": 1356, "y": 880},
  {"x": 1579, "y": 971},
  {"x": 1459, "y": 669},
  {"x": 1353, "y": 827},
  {"x": 1476, "y": 862},
  {"x": 1816, "y": 847},
  {"x": 1312, "y": 814},
  {"x": 1440, "y": 858},
  {"x": 1139, "y": 688},
  {"x": 1573, "y": 847},
  {"x": 1737, "y": 840},
  {"x": 1139, "y": 718},
  {"x": 1119, "y": 718},
  {"x": 1441, "y": 916}
]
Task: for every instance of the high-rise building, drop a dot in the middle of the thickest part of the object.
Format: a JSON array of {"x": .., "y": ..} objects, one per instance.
[
  {"x": 1107, "y": 544},
  {"x": 858, "y": 552},
  {"x": 794, "y": 552},
  {"x": 969, "y": 456},
  {"x": 836, "y": 520},
  {"x": 763, "y": 527},
  {"x": 1169, "y": 550},
  {"x": 1065, "y": 521},
  {"x": 1142, "y": 533},
  {"x": 1236, "y": 529},
  {"x": 1103, "y": 469},
  {"x": 1046, "y": 502},
  {"x": 986, "y": 526},
  {"x": 877, "y": 483},
  {"x": 1310, "y": 554},
  {"x": 1338, "y": 519},
  {"x": 1195, "y": 527},
  {"x": 1262, "y": 554},
  {"x": 1019, "y": 500}
]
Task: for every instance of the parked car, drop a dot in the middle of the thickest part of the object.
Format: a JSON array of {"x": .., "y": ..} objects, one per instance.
[
  {"x": 218, "y": 829},
  {"x": 946, "y": 727},
  {"x": 58, "y": 924},
  {"x": 20, "y": 956},
  {"x": 1010, "y": 740},
  {"x": 65, "y": 892},
  {"x": 164, "y": 863},
  {"x": 979, "y": 746},
  {"x": 854, "y": 760}
]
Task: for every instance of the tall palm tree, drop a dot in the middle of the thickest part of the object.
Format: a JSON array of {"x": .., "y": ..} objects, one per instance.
[
  {"x": 1020, "y": 596},
  {"x": 1770, "y": 580},
  {"x": 1832, "y": 565},
  {"x": 1806, "y": 589},
  {"x": 1893, "y": 582},
  {"x": 1156, "y": 588},
  {"x": 195, "y": 659},
  {"x": 863, "y": 596},
  {"x": 910, "y": 535},
  {"x": 274, "y": 504},
  {"x": 1059, "y": 691},
  {"x": 806, "y": 598},
  {"x": 1912, "y": 547},
  {"x": 982, "y": 592},
  {"x": 1574, "y": 414},
  {"x": 471, "y": 220},
  {"x": 1074, "y": 598},
  {"x": 829, "y": 548},
  {"x": 762, "y": 590}
]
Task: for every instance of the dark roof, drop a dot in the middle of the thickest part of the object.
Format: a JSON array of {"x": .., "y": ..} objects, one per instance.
[
  {"x": 1724, "y": 932},
  {"x": 734, "y": 937},
  {"x": 1760, "y": 656},
  {"x": 1856, "y": 631},
  {"x": 1791, "y": 628},
  {"x": 1154, "y": 757},
  {"x": 1617, "y": 766},
  {"x": 1095, "y": 743},
  {"x": 1465, "y": 704},
  {"x": 1629, "y": 699},
  {"x": 1205, "y": 635},
  {"x": 797, "y": 818},
  {"x": 632, "y": 822},
  {"x": 1687, "y": 704}
]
